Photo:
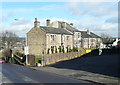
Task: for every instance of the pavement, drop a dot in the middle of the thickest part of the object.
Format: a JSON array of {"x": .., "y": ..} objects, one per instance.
[{"x": 98, "y": 69}]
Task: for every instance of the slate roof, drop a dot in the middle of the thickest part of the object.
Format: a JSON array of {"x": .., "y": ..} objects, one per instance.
[
  {"x": 91, "y": 35},
  {"x": 53, "y": 30},
  {"x": 72, "y": 29}
]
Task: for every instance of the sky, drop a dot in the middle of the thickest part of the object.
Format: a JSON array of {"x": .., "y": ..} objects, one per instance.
[{"x": 98, "y": 17}]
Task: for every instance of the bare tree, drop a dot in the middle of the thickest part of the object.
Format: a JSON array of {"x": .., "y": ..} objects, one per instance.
[
  {"x": 8, "y": 39},
  {"x": 106, "y": 38}
]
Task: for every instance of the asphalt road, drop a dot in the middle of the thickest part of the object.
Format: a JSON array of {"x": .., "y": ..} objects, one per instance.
[
  {"x": 104, "y": 64},
  {"x": 20, "y": 74}
]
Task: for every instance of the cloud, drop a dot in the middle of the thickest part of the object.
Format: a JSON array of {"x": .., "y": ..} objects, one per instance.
[
  {"x": 112, "y": 20},
  {"x": 20, "y": 30},
  {"x": 21, "y": 21},
  {"x": 107, "y": 10},
  {"x": 18, "y": 10},
  {"x": 96, "y": 9},
  {"x": 109, "y": 26},
  {"x": 7, "y": 16},
  {"x": 82, "y": 8}
]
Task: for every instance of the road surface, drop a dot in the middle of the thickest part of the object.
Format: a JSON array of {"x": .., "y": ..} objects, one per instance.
[
  {"x": 104, "y": 64},
  {"x": 20, "y": 74}
]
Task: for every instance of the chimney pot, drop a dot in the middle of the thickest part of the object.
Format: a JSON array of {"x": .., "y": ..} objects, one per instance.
[
  {"x": 88, "y": 32},
  {"x": 63, "y": 25},
  {"x": 36, "y": 23},
  {"x": 71, "y": 24},
  {"x": 48, "y": 22}
]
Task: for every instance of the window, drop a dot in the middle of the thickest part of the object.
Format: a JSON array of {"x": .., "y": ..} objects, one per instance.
[
  {"x": 78, "y": 35},
  {"x": 67, "y": 37},
  {"x": 74, "y": 35},
  {"x": 63, "y": 38},
  {"x": 92, "y": 40},
  {"x": 53, "y": 37}
]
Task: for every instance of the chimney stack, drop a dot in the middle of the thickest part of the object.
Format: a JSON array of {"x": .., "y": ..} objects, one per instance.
[
  {"x": 63, "y": 25},
  {"x": 88, "y": 32},
  {"x": 71, "y": 24},
  {"x": 48, "y": 22},
  {"x": 36, "y": 23}
]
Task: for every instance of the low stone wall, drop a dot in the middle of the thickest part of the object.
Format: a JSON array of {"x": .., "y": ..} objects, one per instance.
[{"x": 48, "y": 59}]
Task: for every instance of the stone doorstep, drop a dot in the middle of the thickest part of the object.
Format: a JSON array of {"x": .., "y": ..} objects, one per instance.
[{"x": 82, "y": 75}]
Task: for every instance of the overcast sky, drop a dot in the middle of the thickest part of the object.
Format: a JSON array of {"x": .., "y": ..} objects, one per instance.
[{"x": 98, "y": 17}]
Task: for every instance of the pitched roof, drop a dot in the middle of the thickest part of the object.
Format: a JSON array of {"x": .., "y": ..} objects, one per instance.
[
  {"x": 53, "y": 30},
  {"x": 91, "y": 35},
  {"x": 72, "y": 29}
]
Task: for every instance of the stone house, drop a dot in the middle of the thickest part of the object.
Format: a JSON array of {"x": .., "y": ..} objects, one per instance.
[
  {"x": 69, "y": 27},
  {"x": 58, "y": 35},
  {"x": 90, "y": 40},
  {"x": 41, "y": 39}
]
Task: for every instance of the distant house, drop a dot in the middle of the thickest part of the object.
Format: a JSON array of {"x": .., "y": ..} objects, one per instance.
[
  {"x": 90, "y": 40},
  {"x": 57, "y": 36}
]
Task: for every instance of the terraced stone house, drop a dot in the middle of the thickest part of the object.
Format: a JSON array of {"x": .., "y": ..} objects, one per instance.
[
  {"x": 44, "y": 39},
  {"x": 56, "y": 36},
  {"x": 90, "y": 40}
]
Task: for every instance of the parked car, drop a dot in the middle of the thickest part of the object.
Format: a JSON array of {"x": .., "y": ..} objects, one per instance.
[{"x": 2, "y": 61}]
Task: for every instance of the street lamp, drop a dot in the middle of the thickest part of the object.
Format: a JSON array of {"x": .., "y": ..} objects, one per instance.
[{"x": 26, "y": 46}]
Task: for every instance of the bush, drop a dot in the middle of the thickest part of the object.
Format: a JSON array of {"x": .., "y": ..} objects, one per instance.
[
  {"x": 52, "y": 50},
  {"x": 75, "y": 49},
  {"x": 38, "y": 60},
  {"x": 56, "y": 50},
  {"x": 97, "y": 47},
  {"x": 60, "y": 49},
  {"x": 3, "y": 58},
  {"x": 63, "y": 49},
  {"x": 67, "y": 49},
  {"x": 48, "y": 51},
  {"x": 43, "y": 52}
]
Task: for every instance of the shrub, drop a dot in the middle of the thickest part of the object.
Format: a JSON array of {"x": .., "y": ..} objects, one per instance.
[
  {"x": 52, "y": 50},
  {"x": 97, "y": 46},
  {"x": 43, "y": 52},
  {"x": 48, "y": 51},
  {"x": 60, "y": 49},
  {"x": 67, "y": 49},
  {"x": 56, "y": 50},
  {"x": 70, "y": 50},
  {"x": 38, "y": 60},
  {"x": 75, "y": 49},
  {"x": 63, "y": 49},
  {"x": 3, "y": 58}
]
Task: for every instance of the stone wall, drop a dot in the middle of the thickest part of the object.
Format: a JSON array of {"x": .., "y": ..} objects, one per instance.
[
  {"x": 48, "y": 59},
  {"x": 36, "y": 40},
  {"x": 53, "y": 58}
]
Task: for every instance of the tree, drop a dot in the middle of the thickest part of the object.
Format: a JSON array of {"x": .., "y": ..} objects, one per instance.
[
  {"x": 8, "y": 39},
  {"x": 106, "y": 38}
]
